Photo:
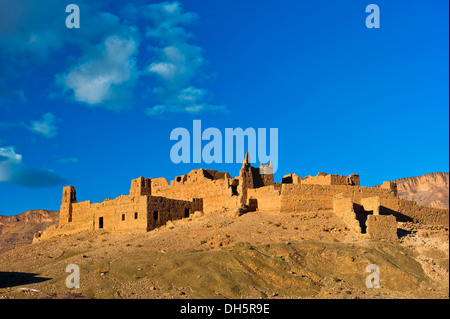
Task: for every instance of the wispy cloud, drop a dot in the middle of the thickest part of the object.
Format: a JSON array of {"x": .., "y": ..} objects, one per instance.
[
  {"x": 177, "y": 62},
  {"x": 104, "y": 76},
  {"x": 14, "y": 171},
  {"x": 149, "y": 45},
  {"x": 32, "y": 34},
  {"x": 191, "y": 100},
  {"x": 46, "y": 126}
]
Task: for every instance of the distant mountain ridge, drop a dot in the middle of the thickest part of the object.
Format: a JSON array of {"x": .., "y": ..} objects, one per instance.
[
  {"x": 18, "y": 230},
  {"x": 430, "y": 190}
]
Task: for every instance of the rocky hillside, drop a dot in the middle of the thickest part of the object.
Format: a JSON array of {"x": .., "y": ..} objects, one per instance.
[
  {"x": 427, "y": 190},
  {"x": 18, "y": 230}
]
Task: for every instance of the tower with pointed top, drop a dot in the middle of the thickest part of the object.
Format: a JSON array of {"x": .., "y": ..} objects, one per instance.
[{"x": 252, "y": 177}]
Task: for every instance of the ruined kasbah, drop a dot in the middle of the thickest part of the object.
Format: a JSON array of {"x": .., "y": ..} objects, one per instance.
[{"x": 370, "y": 212}]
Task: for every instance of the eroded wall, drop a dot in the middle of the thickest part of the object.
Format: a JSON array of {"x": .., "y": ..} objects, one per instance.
[
  {"x": 304, "y": 198},
  {"x": 160, "y": 210},
  {"x": 343, "y": 208},
  {"x": 216, "y": 193},
  {"x": 267, "y": 198},
  {"x": 371, "y": 204},
  {"x": 382, "y": 227},
  {"x": 321, "y": 179}
]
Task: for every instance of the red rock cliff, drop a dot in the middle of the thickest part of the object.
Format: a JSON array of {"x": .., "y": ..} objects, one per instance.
[{"x": 430, "y": 190}]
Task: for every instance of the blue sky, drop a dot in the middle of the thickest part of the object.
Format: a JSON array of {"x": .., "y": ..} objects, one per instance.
[{"x": 94, "y": 107}]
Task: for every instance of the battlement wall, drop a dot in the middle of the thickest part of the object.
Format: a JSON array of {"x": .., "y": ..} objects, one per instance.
[
  {"x": 321, "y": 179},
  {"x": 200, "y": 176},
  {"x": 299, "y": 197},
  {"x": 216, "y": 194}
]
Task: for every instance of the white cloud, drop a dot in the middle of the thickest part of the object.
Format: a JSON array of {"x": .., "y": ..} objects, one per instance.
[
  {"x": 14, "y": 171},
  {"x": 96, "y": 79},
  {"x": 190, "y": 100},
  {"x": 32, "y": 34},
  {"x": 45, "y": 127},
  {"x": 177, "y": 63},
  {"x": 156, "y": 111},
  {"x": 168, "y": 19},
  {"x": 107, "y": 46}
]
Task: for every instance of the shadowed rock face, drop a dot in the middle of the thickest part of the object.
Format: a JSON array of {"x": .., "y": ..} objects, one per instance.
[
  {"x": 431, "y": 190},
  {"x": 18, "y": 230}
]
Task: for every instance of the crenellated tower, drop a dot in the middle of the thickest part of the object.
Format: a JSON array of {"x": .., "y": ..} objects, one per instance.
[{"x": 141, "y": 187}]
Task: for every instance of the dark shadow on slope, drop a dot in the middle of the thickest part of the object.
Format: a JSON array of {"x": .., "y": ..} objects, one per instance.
[
  {"x": 399, "y": 216},
  {"x": 12, "y": 279},
  {"x": 404, "y": 232}
]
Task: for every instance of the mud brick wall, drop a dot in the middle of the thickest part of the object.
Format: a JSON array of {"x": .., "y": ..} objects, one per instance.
[
  {"x": 216, "y": 194},
  {"x": 424, "y": 215},
  {"x": 322, "y": 179},
  {"x": 217, "y": 189},
  {"x": 65, "y": 211},
  {"x": 392, "y": 186},
  {"x": 140, "y": 186},
  {"x": 86, "y": 216},
  {"x": 161, "y": 210},
  {"x": 82, "y": 216},
  {"x": 382, "y": 227},
  {"x": 343, "y": 208},
  {"x": 125, "y": 214},
  {"x": 371, "y": 204},
  {"x": 297, "y": 198},
  {"x": 291, "y": 179},
  {"x": 317, "y": 197},
  {"x": 267, "y": 198},
  {"x": 354, "y": 179}
]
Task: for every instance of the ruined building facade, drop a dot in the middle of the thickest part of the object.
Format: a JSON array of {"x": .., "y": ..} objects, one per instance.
[
  {"x": 137, "y": 212},
  {"x": 153, "y": 201}
]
